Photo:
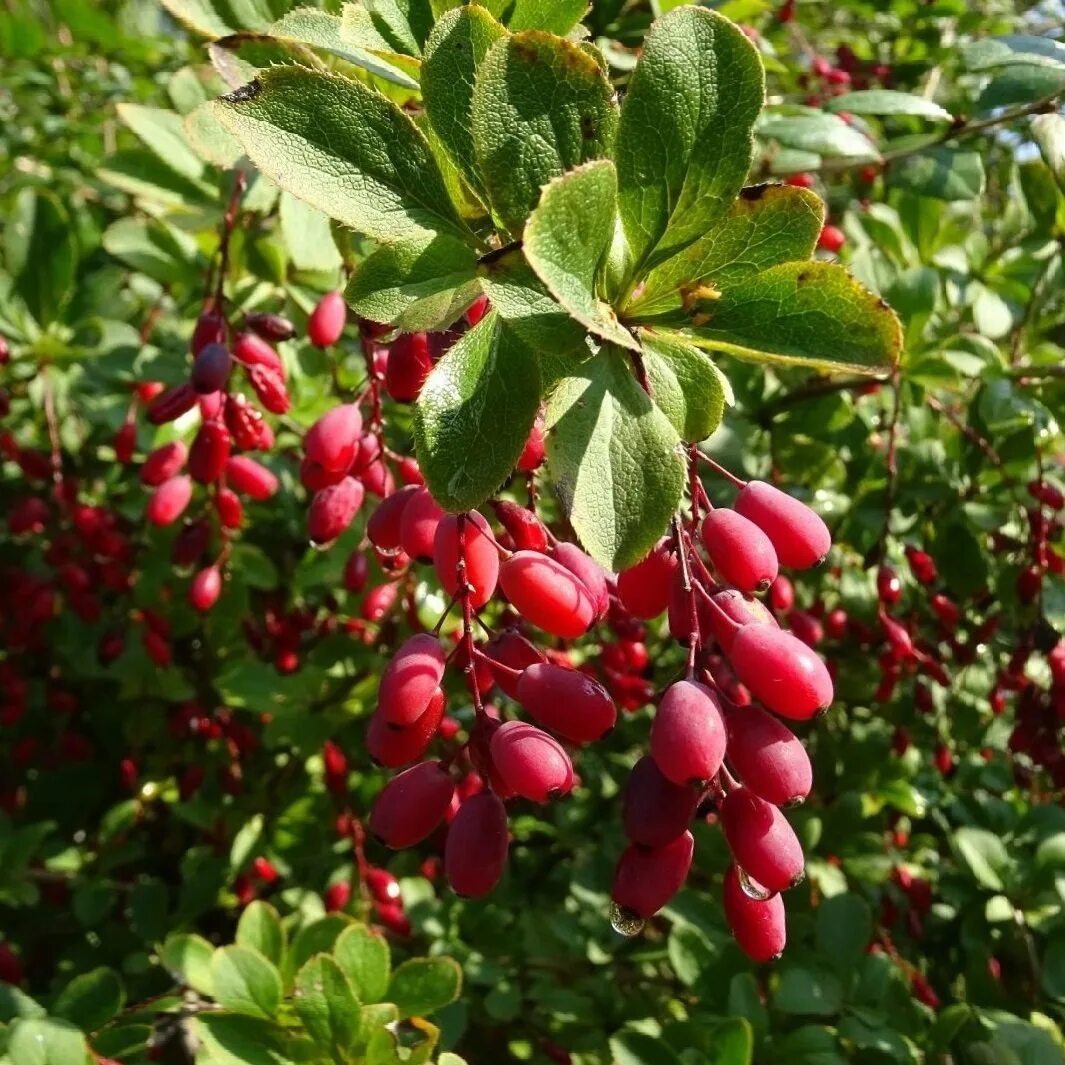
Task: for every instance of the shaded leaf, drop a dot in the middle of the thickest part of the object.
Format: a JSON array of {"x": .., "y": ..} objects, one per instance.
[
  {"x": 245, "y": 982},
  {"x": 942, "y": 173},
  {"x": 91, "y": 999},
  {"x": 423, "y": 985},
  {"x": 686, "y": 385}
]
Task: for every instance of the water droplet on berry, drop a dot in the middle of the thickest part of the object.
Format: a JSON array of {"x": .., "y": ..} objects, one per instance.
[
  {"x": 751, "y": 888},
  {"x": 625, "y": 922}
]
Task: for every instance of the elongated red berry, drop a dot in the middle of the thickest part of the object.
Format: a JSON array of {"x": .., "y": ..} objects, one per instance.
[
  {"x": 252, "y": 350},
  {"x": 211, "y": 369},
  {"x": 210, "y": 329},
  {"x": 270, "y": 388},
  {"x": 333, "y": 509},
  {"x": 205, "y": 589},
  {"x": 478, "y": 840},
  {"x": 333, "y": 441},
  {"x": 250, "y": 478},
  {"x": 758, "y": 925},
  {"x": 171, "y": 404},
  {"x": 547, "y": 594},
  {"x": 679, "y": 610},
  {"x": 567, "y": 702},
  {"x": 417, "y": 527},
  {"x": 644, "y": 588},
  {"x": 230, "y": 509},
  {"x": 646, "y": 878},
  {"x": 169, "y": 500},
  {"x": 411, "y": 679},
  {"x": 782, "y": 673},
  {"x": 799, "y": 536},
  {"x": 480, "y": 553},
  {"x": 513, "y": 652},
  {"x": 769, "y": 757},
  {"x": 394, "y": 747},
  {"x": 531, "y": 763},
  {"x": 688, "y": 734},
  {"x": 209, "y": 453},
  {"x": 741, "y": 554},
  {"x": 326, "y": 322},
  {"x": 654, "y": 810},
  {"x": 409, "y": 363},
  {"x": 532, "y": 455},
  {"x": 411, "y": 805},
  {"x": 163, "y": 463},
  {"x": 761, "y": 840},
  {"x": 588, "y": 572},
  {"x": 385, "y": 524},
  {"x": 125, "y": 442},
  {"x": 476, "y": 310},
  {"x": 523, "y": 526},
  {"x": 731, "y": 608},
  {"x": 270, "y": 326}
]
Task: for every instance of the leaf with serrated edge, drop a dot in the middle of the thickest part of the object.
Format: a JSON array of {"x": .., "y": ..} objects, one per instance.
[
  {"x": 567, "y": 236},
  {"x": 766, "y": 226},
  {"x": 416, "y": 285},
  {"x": 541, "y": 106},
  {"x": 344, "y": 149},
  {"x": 421, "y": 986},
  {"x": 686, "y": 385},
  {"x": 553, "y": 16},
  {"x": 474, "y": 414},
  {"x": 805, "y": 314},
  {"x": 684, "y": 141},
  {"x": 453, "y": 55},
  {"x": 614, "y": 459}
]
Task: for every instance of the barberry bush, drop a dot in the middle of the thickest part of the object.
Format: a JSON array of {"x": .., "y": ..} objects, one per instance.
[{"x": 532, "y": 531}]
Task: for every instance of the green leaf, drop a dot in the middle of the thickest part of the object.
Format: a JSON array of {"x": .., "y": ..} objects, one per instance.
[
  {"x": 553, "y": 16},
  {"x": 1021, "y": 84},
  {"x": 364, "y": 957},
  {"x": 941, "y": 173},
  {"x": 566, "y": 239},
  {"x": 164, "y": 132},
  {"x": 259, "y": 928},
  {"x": 844, "y": 929},
  {"x": 807, "y": 314},
  {"x": 344, "y": 149},
  {"x": 15, "y": 1003},
  {"x": 808, "y": 992},
  {"x": 541, "y": 106},
  {"x": 200, "y": 16},
  {"x": 233, "y": 1039},
  {"x": 209, "y": 139},
  {"x": 1049, "y": 133},
  {"x": 686, "y": 385},
  {"x": 684, "y": 140},
  {"x": 245, "y": 982},
  {"x": 453, "y": 56},
  {"x": 91, "y": 999},
  {"x": 416, "y": 285},
  {"x": 318, "y": 937},
  {"x": 405, "y": 22},
  {"x": 188, "y": 959},
  {"x": 327, "y": 1005},
  {"x": 613, "y": 458},
  {"x": 151, "y": 247},
  {"x": 1053, "y": 967},
  {"x": 767, "y": 225},
  {"x": 308, "y": 237},
  {"x": 827, "y": 135},
  {"x": 733, "y": 1043},
  {"x": 887, "y": 102},
  {"x": 1011, "y": 50},
  {"x": 41, "y": 253},
  {"x": 985, "y": 855},
  {"x": 638, "y": 1048},
  {"x": 474, "y": 414},
  {"x": 45, "y": 1041},
  {"x": 424, "y": 985}
]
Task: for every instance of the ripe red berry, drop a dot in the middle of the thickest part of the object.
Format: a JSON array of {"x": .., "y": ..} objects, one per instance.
[
  {"x": 479, "y": 550},
  {"x": 531, "y": 763},
  {"x": 270, "y": 326},
  {"x": 169, "y": 500},
  {"x": 478, "y": 840},
  {"x": 532, "y": 455},
  {"x": 409, "y": 363},
  {"x": 210, "y": 328},
  {"x": 270, "y": 387},
  {"x": 337, "y": 896},
  {"x": 333, "y": 509},
  {"x": 171, "y": 404},
  {"x": 800, "y": 181},
  {"x": 768, "y": 756},
  {"x": 782, "y": 595},
  {"x": 646, "y": 878},
  {"x": 741, "y": 554},
  {"x": 588, "y": 572},
  {"x": 514, "y": 652},
  {"x": 732, "y": 608},
  {"x": 547, "y": 594},
  {"x": 418, "y": 523},
  {"x": 411, "y": 679},
  {"x": 251, "y": 350},
  {"x": 566, "y": 701},
  {"x": 394, "y": 747},
  {"x": 654, "y": 810},
  {"x": 385, "y": 524},
  {"x": 326, "y": 323},
  {"x": 758, "y": 925},
  {"x": 476, "y": 310},
  {"x": 888, "y": 586},
  {"x": 762, "y": 842},
  {"x": 831, "y": 239},
  {"x": 411, "y": 805},
  {"x": 781, "y": 671},
  {"x": 799, "y": 536},
  {"x": 210, "y": 452},
  {"x": 125, "y": 442},
  {"x": 333, "y": 441},
  {"x": 525, "y": 529},
  {"x": 205, "y": 589},
  {"x": 922, "y": 565},
  {"x": 688, "y": 733},
  {"x": 230, "y": 509},
  {"x": 211, "y": 369},
  {"x": 250, "y": 478},
  {"x": 644, "y": 588},
  {"x": 163, "y": 463}
]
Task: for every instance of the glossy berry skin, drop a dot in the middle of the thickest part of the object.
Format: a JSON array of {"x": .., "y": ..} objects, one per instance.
[
  {"x": 512, "y": 650},
  {"x": 799, "y": 536},
  {"x": 409, "y": 363},
  {"x": 888, "y": 586},
  {"x": 250, "y": 478},
  {"x": 831, "y": 239},
  {"x": 531, "y": 763},
  {"x": 479, "y": 550},
  {"x": 394, "y": 747},
  {"x": 333, "y": 441},
  {"x": 205, "y": 589},
  {"x": 781, "y": 672},
  {"x": 644, "y": 588},
  {"x": 209, "y": 453},
  {"x": 758, "y": 926},
  {"x": 478, "y": 840},
  {"x": 333, "y": 509},
  {"x": 253, "y": 351},
  {"x": 211, "y": 369},
  {"x": 741, "y": 554},
  {"x": 171, "y": 404},
  {"x": 230, "y": 509},
  {"x": 654, "y": 810},
  {"x": 418, "y": 523},
  {"x": 688, "y": 734},
  {"x": 522, "y": 525},
  {"x": 588, "y": 572},
  {"x": 547, "y": 594},
  {"x": 411, "y": 680},
  {"x": 768, "y": 756},
  {"x": 732, "y": 608},
  {"x": 412, "y": 805},
  {"x": 327, "y": 320},
  {"x": 210, "y": 328},
  {"x": 646, "y": 878},
  {"x": 761, "y": 840},
  {"x": 169, "y": 500},
  {"x": 385, "y": 524},
  {"x": 270, "y": 388},
  {"x": 532, "y": 455},
  {"x": 566, "y": 701},
  {"x": 163, "y": 463}
]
